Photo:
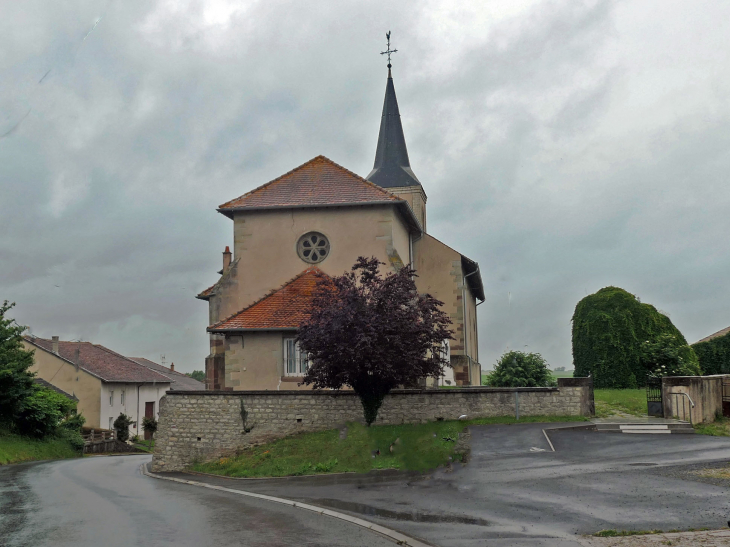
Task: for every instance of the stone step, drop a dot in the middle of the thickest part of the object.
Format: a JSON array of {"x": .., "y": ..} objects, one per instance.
[{"x": 647, "y": 428}]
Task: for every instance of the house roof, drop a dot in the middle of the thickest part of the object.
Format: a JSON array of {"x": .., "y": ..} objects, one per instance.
[
  {"x": 48, "y": 385},
  {"x": 719, "y": 333},
  {"x": 178, "y": 381},
  {"x": 392, "y": 168},
  {"x": 320, "y": 182},
  {"x": 282, "y": 309},
  {"x": 101, "y": 362}
]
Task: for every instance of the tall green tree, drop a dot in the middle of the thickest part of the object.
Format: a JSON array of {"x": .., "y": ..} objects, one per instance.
[
  {"x": 373, "y": 333},
  {"x": 614, "y": 336},
  {"x": 16, "y": 381}
]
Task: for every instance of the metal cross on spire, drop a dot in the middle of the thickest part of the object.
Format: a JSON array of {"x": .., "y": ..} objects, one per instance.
[{"x": 388, "y": 51}]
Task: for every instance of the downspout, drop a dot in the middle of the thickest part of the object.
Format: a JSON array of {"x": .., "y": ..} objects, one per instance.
[{"x": 137, "y": 427}]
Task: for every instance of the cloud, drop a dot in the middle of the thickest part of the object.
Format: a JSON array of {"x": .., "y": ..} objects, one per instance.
[{"x": 564, "y": 145}]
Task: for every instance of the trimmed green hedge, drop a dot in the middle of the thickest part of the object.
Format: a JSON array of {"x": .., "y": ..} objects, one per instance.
[
  {"x": 714, "y": 355},
  {"x": 609, "y": 328}
]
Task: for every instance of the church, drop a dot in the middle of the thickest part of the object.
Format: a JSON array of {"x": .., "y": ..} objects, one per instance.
[{"x": 321, "y": 217}]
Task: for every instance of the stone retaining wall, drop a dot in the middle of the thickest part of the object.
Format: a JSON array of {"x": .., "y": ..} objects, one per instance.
[{"x": 202, "y": 425}]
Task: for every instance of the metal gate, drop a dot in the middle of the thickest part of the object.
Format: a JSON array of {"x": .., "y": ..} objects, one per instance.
[
  {"x": 726, "y": 398},
  {"x": 654, "y": 404}
]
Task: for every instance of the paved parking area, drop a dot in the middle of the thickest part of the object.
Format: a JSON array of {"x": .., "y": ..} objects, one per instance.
[{"x": 516, "y": 492}]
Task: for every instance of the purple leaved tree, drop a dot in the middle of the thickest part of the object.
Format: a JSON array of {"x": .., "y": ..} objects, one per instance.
[{"x": 372, "y": 333}]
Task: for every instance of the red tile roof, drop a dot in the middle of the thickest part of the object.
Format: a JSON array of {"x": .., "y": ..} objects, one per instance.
[
  {"x": 284, "y": 308},
  {"x": 319, "y": 182},
  {"x": 101, "y": 362},
  {"x": 207, "y": 293},
  {"x": 719, "y": 333},
  {"x": 179, "y": 381}
]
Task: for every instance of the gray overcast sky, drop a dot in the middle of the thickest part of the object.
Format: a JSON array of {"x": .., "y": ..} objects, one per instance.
[{"x": 564, "y": 145}]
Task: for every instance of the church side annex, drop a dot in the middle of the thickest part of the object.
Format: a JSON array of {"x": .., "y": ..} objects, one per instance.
[{"x": 321, "y": 217}]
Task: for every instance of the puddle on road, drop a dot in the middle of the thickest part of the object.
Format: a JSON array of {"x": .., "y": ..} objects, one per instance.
[{"x": 413, "y": 516}]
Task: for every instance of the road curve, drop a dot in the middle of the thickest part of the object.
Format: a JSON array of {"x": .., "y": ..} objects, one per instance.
[{"x": 106, "y": 501}]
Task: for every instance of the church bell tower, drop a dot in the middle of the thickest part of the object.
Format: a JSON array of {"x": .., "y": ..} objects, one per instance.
[{"x": 392, "y": 168}]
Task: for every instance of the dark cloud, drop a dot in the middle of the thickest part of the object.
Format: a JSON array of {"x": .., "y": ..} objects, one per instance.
[{"x": 564, "y": 145}]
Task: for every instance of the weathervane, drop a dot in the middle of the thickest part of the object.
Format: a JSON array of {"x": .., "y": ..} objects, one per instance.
[{"x": 388, "y": 51}]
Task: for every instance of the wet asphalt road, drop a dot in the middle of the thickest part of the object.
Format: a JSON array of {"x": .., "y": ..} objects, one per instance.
[
  {"x": 513, "y": 494},
  {"x": 106, "y": 502}
]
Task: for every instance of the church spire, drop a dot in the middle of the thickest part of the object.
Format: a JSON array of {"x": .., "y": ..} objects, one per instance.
[{"x": 392, "y": 168}]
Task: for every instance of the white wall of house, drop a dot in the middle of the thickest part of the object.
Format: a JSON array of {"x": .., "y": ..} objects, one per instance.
[{"x": 129, "y": 399}]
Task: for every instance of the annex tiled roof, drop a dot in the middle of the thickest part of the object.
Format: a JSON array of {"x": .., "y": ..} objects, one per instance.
[
  {"x": 178, "y": 380},
  {"x": 281, "y": 309},
  {"x": 317, "y": 183},
  {"x": 207, "y": 293},
  {"x": 719, "y": 333},
  {"x": 101, "y": 362},
  {"x": 48, "y": 385}
]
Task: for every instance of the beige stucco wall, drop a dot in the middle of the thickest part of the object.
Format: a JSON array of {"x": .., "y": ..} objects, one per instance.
[
  {"x": 440, "y": 274},
  {"x": 265, "y": 248},
  {"x": 65, "y": 376},
  {"x": 256, "y": 361}
]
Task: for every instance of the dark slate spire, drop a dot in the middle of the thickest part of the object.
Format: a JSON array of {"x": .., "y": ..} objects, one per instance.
[{"x": 392, "y": 168}]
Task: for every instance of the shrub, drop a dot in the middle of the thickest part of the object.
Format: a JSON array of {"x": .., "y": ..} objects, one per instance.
[
  {"x": 149, "y": 425},
  {"x": 520, "y": 369},
  {"x": 121, "y": 426},
  {"x": 665, "y": 356},
  {"x": 43, "y": 412},
  {"x": 714, "y": 355},
  {"x": 609, "y": 328}
]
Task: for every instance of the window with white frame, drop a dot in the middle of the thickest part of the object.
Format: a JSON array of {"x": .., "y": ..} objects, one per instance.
[
  {"x": 121, "y": 397},
  {"x": 111, "y": 398},
  {"x": 295, "y": 360},
  {"x": 111, "y": 423}
]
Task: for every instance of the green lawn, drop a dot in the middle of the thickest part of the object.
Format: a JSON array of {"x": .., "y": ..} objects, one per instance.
[
  {"x": 145, "y": 446},
  {"x": 15, "y": 449},
  {"x": 627, "y": 401},
  {"x": 414, "y": 447}
]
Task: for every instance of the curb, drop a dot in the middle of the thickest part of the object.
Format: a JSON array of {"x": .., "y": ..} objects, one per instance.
[
  {"x": 400, "y": 539},
  {"x": 583, "y": 427}
]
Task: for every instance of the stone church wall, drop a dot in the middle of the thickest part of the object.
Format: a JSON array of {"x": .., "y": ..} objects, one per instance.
[{"x": 203, "y": 425}]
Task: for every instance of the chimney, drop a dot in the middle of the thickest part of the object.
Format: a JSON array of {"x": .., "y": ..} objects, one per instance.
[
  {"x": 54, "y": 344},
  {"x": 172, "y": 367},
  {"x": 226, "y": 259}
]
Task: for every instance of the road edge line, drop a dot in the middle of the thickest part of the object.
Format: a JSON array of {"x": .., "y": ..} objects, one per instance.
[
  {"x": 398, "y": 537},
  {"x": 548, "y": 440}
]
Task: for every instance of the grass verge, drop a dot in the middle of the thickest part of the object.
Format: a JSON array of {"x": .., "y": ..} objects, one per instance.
[
  {"x": 718, "y": 428},
  {"x": 623, "y": 533},
  {"x": 412, "y": 447},
  {"x": 610, "y": 402},
  {"x": 16, "y": 449}
]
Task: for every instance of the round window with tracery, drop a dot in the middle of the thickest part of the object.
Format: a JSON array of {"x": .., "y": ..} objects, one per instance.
[{"x": 313, "y": 247}]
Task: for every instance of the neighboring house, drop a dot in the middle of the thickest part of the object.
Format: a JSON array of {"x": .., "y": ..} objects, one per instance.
[
  {"x": 322, "y": 217},
  {"x": 178, "y": 381},
  {"x": 104, "y": 382},
  {"x": 718, "y": 334}
]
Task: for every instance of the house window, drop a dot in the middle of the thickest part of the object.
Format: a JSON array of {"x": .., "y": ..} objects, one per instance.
[
  {"x": 111, "y": 398},
  {"x": 111, "y": 423},
  {"x": 295, "y": 360},
  {"x": 121, "y": 398},
  {"x": 313, "y": 247}
]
